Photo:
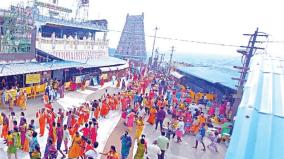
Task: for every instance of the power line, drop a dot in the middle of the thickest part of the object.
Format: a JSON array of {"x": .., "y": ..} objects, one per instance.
[
  {"x": 276, "y": 41},
  {"x": 195, "y": 41},
  {"x": 181, "y": 40}
]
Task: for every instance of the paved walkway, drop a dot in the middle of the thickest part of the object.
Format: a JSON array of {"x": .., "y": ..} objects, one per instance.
[
  {"x": 70, "y": 99},
  {"x": 183, "y": 150},
  {"x": 114, "y": 138}
]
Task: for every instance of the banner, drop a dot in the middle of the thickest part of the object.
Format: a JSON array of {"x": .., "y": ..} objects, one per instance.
[{"x": 32, "y": 78}]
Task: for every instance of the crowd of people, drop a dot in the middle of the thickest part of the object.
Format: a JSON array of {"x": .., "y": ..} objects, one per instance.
[
  {"x": 151, "y": 98},
  {"x": 175, "y": 112},
  {"x": 18, "y": 97}
]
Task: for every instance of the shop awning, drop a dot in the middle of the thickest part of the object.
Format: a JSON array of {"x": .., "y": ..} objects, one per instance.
[
  {"x": 32, "y": 67},
  {"x": 121, "y": 67},
  {"x": 105, "y": 69},
  {"x": 114, "y": 68}
]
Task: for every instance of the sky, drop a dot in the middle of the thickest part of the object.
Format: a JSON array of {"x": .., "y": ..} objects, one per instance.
[{"x": 217, "y": 21}]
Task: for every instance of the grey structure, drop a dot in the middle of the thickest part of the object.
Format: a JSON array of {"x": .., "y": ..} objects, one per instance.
[{"x": 132, "y": 41}]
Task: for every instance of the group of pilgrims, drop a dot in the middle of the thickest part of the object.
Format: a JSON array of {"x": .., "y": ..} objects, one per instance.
[{"x": 154, "y": 98}]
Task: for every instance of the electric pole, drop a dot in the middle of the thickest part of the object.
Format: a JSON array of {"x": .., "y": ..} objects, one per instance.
[
  {"x": 155, "y": 36},
  {"x": 171, "y": 57},
  {"x": 248, "y": 53},
  {"x": 161, "y": 60},
  {"x": 155, "y": 61}
]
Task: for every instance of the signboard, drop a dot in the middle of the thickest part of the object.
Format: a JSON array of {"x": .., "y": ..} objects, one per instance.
[{"x": 32, "y": 78}]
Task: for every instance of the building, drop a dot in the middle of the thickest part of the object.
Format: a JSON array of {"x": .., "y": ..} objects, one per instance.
[
  {"x": 132, "y": 41},
  {"x": 214, "y": 81},
  {"x": 258, "y": 129},
  {"x": 69, "y": 39},
  {"x": 43, "y": 41},
  {"x": 17, "y": 35}
]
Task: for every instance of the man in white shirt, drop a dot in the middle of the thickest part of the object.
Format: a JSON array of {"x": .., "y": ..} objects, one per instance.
[
  {"x": 163, "y": 142},
  {"x": 153, "y": 151},
  {"x": 92, "y": 154},
  {"x": 166, "y": 123},
  {"x": 142, "y": 113}
]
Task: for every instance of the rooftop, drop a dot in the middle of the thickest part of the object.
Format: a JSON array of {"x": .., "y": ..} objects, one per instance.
[
  {"x": 31, "y": 67},
  {"x": 258, "y": 129},
  {"x": 210, "y": 74}
]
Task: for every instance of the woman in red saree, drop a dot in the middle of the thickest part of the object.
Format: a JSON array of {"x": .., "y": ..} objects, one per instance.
[
  {"x": 93, "y": 132},
  {"x": 111, "y": 104},
  {"x": 115, "y": 102},
  {"x": 123, "y": 103},
  {"x": 41, "y": 121},
  {"x": 5, "y": 126},
  {"x": 81, "y": 118},
  {"x": 97, "y": 112},
  {"x": 86, "y": 115},
  {"x": 102, "y": 82},
  {"x": 104, "y": 109}
]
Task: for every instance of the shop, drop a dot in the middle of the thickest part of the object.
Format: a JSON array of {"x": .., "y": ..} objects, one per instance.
[
  {"x": 112, "y": 73},
  {"x": 81, "y": 78}
]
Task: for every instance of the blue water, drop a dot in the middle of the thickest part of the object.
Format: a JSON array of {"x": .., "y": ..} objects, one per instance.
[{"x": 212, "y": 67}]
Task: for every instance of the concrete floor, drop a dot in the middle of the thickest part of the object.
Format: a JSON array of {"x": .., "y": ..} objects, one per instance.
[{"x": 184, "y": 150}]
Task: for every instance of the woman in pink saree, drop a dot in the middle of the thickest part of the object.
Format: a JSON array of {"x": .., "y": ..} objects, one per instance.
[
  {"x": 130, "y": 121},
  {"x": 222, "y": 109}
]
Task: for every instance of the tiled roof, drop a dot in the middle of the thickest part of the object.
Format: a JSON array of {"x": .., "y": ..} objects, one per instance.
[{"x": 258, "y": 130}]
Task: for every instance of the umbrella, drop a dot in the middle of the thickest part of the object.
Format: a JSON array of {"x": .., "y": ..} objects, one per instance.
[{"x": 226, "y": 127}]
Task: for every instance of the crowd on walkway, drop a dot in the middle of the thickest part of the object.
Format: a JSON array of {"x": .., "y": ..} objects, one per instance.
[
  {"x": 18, "y": 97},
  {"x": 149, "y": 97},
  {"x": 175, "y": 111}
]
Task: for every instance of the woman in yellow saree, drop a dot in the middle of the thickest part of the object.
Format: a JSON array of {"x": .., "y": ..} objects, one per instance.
[
  {"x": 22, "y": 101},
  {"x": 139, "y": 127},
  {"x": 75, "y": 149}
]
